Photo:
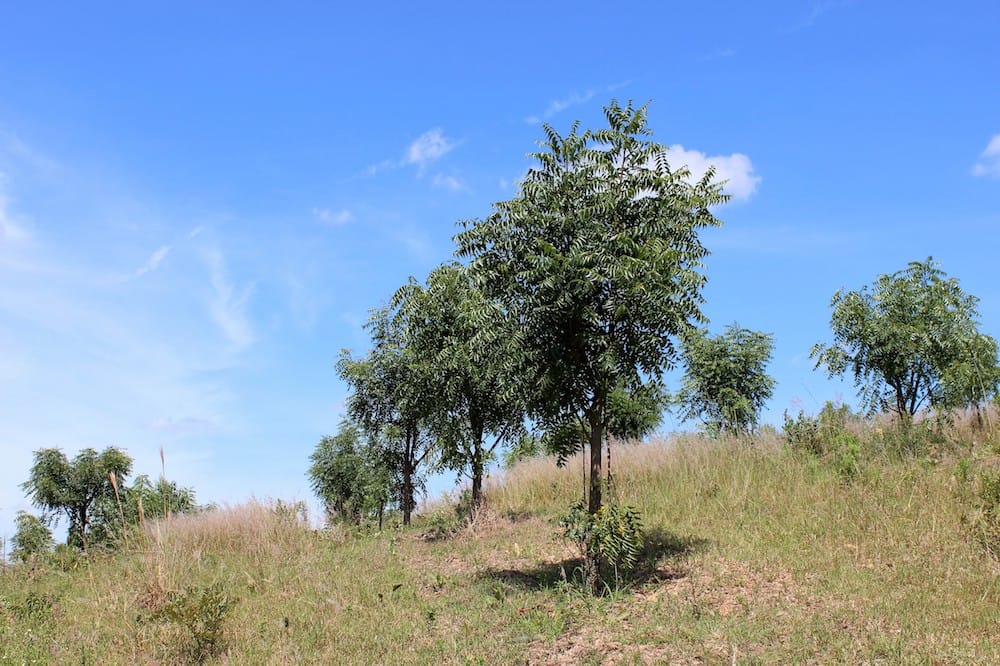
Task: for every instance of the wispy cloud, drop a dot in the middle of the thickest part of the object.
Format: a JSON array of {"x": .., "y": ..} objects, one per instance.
[
  {"x": 10, "y": 231},
  {"x": 333, "y": 217},
  {"x": 718, "y": 54},
  {"x": 736, "y": 169},
  {"x": 154, "y": 261},
  {"x": 817, "y": 11},
  {"x": 988, "y": 164},
  {"x": 428, "y": 147},
  {"x": 227, "y": 304},
  {"x": 447, "y": 182},
  {"x": 573, "y": 99}
]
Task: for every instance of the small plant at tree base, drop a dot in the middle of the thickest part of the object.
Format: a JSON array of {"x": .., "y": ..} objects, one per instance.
[
  {"x": 609, "y": 540},
  {"x": 202, "y": 611}
]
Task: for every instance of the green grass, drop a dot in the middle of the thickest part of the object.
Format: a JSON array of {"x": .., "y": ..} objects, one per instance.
[{"x": 757, "y": 553}]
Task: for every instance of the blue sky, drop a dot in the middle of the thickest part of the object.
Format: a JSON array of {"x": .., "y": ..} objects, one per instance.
[{"x": 200, "y": 202}]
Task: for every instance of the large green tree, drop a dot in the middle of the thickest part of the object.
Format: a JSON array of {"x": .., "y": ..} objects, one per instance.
[
  {"x": 597, "y": 263},
  {"x": 392, "y": 399},
  {"x": 725, "y": 380},
  {"x": 60, "y": 487},
  {"x": 905, "y": 337},
  {"x": 459, "y": 333}
]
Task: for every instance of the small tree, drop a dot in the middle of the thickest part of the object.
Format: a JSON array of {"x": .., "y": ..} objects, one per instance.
[
  {"x": 350, "y": 475},
  {"x": 392, "y": 400},
  {"x": 60, "y": 487},
  {"x": 974, "y": 378},
  {"x": 31, "y": 539},
  {"x": 135, "y": 503},
  {"x": 596, "y": 262},
  {"x": 904, "y": 337},
  {"x": 725, "y": 381},
  {"x": 458, "y": 332}
]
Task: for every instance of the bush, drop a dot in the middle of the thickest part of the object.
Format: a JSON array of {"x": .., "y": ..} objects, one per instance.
[
  {"x": 986, "y": 524},
  {"x": 612, "y": 538},
  {"x": 202, "y": 611}
]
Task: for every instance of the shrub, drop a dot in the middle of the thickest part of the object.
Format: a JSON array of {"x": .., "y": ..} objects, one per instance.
[
  {"x": 612, "y": 538},
  {"x": 202, "y": 611}
]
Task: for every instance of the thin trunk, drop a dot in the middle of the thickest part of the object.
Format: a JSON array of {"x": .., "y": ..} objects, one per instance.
[
  {"x": 477, "y": 469},
  {"x": 407, "y": 499},
  {"x": 596, "y": 453}
]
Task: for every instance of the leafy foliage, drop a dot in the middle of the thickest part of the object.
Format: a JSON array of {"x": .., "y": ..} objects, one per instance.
[
  {"x": 460, "y": 334},
  {"x": 986, "y": 524},
  {"x": 31, "y": 538},
  {"x": 610, "y": 540},
  {"x": 350, "y": 476},
  {"x": 725, "y": 381},
  {"x": 596, "y": 264},
  {"x": 138, "y": 502},
  {"x": 202, "y": 611},
  {"x": 910, "y": 341},
  {"x": 60, "y": 487},
  {"x": 392, "y": 399}
]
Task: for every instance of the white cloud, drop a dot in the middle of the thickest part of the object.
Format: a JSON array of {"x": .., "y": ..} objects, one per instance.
[
  {"x": 447, "y": 182},
  {"x": 332, "y": 217},
  {"x": 227, "y": 306},
  {"x": 736, "y": 169},
  {"x": 988, "y": 164},
  {"x": 428, "y": 147},
  {"x": 154, "y": 261},
  {"x": 573, "y": 99}
]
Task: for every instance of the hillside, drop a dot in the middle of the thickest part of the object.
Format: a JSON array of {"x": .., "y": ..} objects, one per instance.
[{"x": 756, "y": 553}]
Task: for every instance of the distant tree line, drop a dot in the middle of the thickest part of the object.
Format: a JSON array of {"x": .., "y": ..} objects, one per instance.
[{"x": 90, "y": 493}]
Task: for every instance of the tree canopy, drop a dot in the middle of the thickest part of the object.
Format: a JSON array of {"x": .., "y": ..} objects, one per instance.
[
  {"x": 911, "y": 341},
  {"x": 460, "y": 333},
  {"x": 597, "y": 264},
  {"x": 725, "y": 381},
  {"x": 392, "y": 398},
  {"x": 60, "y": 487}
]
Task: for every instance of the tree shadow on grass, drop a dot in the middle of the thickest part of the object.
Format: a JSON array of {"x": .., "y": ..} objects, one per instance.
[{"x": 658, "y": 562}]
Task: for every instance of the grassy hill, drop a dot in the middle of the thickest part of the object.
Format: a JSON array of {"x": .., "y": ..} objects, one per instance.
[{"x": 757, "y": 553}]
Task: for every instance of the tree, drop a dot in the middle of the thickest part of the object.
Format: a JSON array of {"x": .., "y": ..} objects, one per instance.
[
  {"x": 905, "y": 337},
  {"x": 456, "y": 329},
  {"x": 725, "y": 380},
  {"x": 31, "y": 539},
  {"x": 60, "y": 487},
  {"x": 392, "y": 400},
  {"x": 974, "y": 378},
  {"x": 136, "y": 503},
  {"x": 350, "y": 475},
  {"x": 597, "y": 263}
]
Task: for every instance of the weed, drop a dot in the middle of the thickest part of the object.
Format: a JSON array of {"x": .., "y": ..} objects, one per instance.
[{"x": 202, "y": 611}]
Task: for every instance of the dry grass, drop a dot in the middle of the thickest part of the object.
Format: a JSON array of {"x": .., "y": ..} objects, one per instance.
[{"x": 759, "y": 554}]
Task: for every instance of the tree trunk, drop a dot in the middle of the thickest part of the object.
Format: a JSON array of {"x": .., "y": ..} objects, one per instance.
[
  {"x": 477, "y": 471},
  {"x": 406, "y": 501},
  {"x": 596, "y": 453},
  {"x": 409, "y": 469}
]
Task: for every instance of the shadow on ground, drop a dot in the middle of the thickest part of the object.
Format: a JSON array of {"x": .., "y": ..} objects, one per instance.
[{"x": 658, "y": 562}]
